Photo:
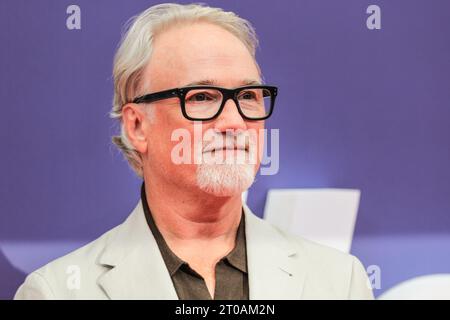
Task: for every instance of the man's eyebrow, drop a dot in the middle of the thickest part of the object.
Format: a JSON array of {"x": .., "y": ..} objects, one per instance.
[{"x": 210, "y": 82}]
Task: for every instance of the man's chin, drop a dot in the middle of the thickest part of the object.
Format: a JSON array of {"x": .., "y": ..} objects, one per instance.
[
  {"x": 225, "y": 180},
  {"x": 223, "y": 191}
]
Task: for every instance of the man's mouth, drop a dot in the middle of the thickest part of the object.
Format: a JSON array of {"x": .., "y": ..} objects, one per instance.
[{"x": 228, "y": 148}]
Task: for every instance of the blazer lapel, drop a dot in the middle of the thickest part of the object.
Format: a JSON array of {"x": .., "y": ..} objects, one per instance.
[
  {"x": 273, "y": 273},
  {"x": 136, "y": 267}
]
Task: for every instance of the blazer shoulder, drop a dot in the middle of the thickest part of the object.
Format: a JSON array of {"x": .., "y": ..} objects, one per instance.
[
  {"x": 87, "y": 254},
  {"x": 52, "y": 280},
  {"x": 339, "y": 272},
  {"x": 311, "y": 248}
]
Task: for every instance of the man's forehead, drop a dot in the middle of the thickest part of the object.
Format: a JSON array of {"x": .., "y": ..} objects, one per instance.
[
  {"x": 215, "y": 82},
  {"x": 192, "y": 59},
  {"x": 214, "y": 70},
  {"x": 181, "y": 61}
]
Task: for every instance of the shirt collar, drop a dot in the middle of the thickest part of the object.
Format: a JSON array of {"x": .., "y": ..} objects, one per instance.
[
  {"x": 173, "y": 262},
  {"x": 238, "y": 256}
]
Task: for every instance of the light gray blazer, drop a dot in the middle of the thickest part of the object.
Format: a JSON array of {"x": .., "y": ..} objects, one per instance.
[{"x": 125, "y": 263}]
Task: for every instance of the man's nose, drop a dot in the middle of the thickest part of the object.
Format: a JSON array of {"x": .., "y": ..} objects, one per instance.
[{"x": 230, "y": 118}]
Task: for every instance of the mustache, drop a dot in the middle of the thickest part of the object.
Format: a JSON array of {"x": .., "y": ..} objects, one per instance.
[{"x": 227, "y": 142}]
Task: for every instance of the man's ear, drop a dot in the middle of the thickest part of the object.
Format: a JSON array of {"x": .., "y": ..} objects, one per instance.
[{"x": 136, "y": 125}]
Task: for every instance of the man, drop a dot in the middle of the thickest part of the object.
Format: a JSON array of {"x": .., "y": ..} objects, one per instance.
[{"x": 189, "y": 71}]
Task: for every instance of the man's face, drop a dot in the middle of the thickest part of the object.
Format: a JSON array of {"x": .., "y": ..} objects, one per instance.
[{"x": 188, "y": 55}]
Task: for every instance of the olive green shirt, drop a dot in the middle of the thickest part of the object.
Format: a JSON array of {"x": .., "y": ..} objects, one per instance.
[{"x": 231, "y": 270}]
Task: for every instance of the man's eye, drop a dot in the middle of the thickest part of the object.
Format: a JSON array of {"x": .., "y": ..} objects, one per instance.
[
  {"x": 247, "y": 95},
  {"x": 200, "y": 97}
]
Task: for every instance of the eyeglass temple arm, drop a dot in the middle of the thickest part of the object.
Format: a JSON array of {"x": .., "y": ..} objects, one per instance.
[{"x": 152, "y": 97}]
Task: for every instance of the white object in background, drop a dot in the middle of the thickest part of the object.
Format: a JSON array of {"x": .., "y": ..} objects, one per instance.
[
  {"x": 430, "y": 287},
  {"x": 244, "y": 196},
  {"x": 326, "y": 216}
]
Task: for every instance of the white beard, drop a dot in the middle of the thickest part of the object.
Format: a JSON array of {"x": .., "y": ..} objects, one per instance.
[{"x": 225, "y": 179}]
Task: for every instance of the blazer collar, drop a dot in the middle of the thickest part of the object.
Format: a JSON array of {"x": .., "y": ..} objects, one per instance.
[
  {"x": 273, "y": 271},
  {"x": 136, "y": 269}
]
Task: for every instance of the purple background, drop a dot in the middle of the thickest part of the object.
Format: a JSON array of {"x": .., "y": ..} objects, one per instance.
[{"x": 358, "y": 108}]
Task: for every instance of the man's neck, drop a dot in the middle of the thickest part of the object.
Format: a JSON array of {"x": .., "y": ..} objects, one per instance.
[
  {"x": 199, "y": 228},
  {"x": 194, "y": 215}
]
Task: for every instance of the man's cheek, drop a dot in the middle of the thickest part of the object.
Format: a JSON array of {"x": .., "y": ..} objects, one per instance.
[{"x": 182, "y": 146}]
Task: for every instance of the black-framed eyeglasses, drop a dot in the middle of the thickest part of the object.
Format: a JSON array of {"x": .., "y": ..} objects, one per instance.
[{"x": 201, "y": 103}]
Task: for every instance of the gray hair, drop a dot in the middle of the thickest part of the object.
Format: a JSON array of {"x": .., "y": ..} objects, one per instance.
[{"x": 135, "y": 50}]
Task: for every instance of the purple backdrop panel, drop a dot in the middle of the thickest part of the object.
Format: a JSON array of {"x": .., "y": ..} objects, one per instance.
[{"x": 357, "y": 108}]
